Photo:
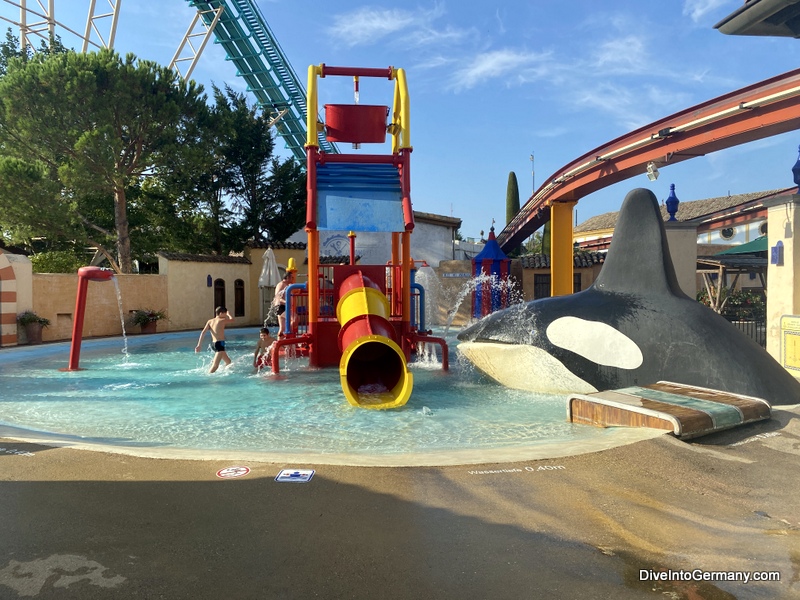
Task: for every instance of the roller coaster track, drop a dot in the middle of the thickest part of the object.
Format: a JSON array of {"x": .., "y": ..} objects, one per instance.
[
  {"x": 758, "y": 111},
  {"x": 250, "y": 45}
]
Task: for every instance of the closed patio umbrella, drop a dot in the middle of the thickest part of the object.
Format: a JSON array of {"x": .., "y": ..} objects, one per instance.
[{"x": 270, "y": 276}]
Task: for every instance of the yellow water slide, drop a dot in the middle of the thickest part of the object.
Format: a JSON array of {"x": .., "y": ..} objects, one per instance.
[{"x": 373, "y": 368}]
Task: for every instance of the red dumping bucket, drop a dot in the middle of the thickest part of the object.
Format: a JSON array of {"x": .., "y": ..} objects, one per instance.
[{"x": 356, "y": 123}]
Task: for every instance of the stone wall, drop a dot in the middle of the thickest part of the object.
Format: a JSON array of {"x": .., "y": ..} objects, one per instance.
[{"x": 54, "y": 298}]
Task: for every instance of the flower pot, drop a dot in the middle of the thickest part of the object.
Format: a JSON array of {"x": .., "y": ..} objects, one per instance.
[
  {"x": 33, "y": 331},
  {"x": 150, "y": 327}
]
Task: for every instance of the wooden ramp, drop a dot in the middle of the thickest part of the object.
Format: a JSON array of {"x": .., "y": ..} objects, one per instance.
[{"x": 687, "y": 411}]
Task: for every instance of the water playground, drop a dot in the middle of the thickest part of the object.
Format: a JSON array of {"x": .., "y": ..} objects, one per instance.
[{"x": 369, "y": 320}]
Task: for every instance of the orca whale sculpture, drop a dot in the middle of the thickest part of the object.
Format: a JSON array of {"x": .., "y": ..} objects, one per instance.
[{"x": 632, "y": 327}]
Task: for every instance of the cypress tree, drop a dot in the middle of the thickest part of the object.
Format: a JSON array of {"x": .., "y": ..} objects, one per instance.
[{"x": 512, "y": 197}]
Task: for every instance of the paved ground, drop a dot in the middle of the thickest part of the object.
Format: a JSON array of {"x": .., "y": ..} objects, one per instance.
[{"x": 86, "y": 525}]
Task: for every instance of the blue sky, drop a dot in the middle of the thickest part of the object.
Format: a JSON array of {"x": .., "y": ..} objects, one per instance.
[{"x": 492, "y": 83}]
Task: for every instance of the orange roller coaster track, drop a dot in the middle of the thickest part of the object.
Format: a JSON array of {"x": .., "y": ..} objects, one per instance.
[{"x": 752, "y": 113}]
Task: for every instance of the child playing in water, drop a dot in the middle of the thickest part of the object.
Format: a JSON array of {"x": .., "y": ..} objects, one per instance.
[
  {"x": 280, "y": 301},
  {"x": 217, "y": 328},
  {"x": 263, "y": 353}
]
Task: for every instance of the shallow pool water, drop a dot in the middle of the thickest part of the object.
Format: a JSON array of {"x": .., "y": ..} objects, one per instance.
[{"x": 160, "y": 395}]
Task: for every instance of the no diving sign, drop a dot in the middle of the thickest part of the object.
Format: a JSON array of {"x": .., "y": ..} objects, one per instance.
[
  {"x": 230, "y": 472},
  {"x": 295, "y": 475}
]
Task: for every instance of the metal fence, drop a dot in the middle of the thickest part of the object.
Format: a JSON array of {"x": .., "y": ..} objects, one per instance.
[{"x": 749, "y": 322}]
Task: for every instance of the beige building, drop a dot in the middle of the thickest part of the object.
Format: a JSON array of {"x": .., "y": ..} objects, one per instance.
[{"x": 188, "y": 288}]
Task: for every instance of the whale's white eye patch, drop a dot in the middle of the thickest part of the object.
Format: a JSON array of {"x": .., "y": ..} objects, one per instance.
[{"x": 595, "y": 341}]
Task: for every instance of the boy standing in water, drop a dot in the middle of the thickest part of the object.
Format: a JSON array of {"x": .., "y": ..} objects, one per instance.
[
  {"x": 217, "y": 327},
  {"x": 280, "y": 301}
]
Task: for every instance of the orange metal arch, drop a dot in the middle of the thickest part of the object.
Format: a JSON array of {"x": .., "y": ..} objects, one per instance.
[{"x": 752, "y": 113}]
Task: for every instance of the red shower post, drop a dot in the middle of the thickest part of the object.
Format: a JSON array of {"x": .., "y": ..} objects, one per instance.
[{"x": 85, "y": 274}]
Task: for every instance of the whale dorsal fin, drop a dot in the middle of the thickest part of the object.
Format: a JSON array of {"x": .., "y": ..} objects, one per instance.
[{"x": 638, "y": 260}]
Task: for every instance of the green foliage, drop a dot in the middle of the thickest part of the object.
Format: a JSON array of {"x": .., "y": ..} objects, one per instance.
[
  {"x": 56, "y": 261},
  {"x": 27, "y": 206},
  {"x": 512, "y": 197},
  {"x": 99, "y": 124},
  {"x": 534, "y": 244},
  {"x": 286, "y": 199},
  {"x": 267, "y": 194},
  {"x": 10, "y": 50},
  {"x": 546, "y": 238},
  {"x": 740, "y": 305},
  {"x": 122, "y": 155},
  {"x": 29, "y": 317},
  {"x": 143, "y": 316}
]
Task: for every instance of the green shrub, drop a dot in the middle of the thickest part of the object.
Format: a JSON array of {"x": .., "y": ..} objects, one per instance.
[
  {"x": 56, "y": 261},
  {"x": 28, "y": 317},
  {"x": 142, "y": 316},
  {"x": 741, "y": 305}
]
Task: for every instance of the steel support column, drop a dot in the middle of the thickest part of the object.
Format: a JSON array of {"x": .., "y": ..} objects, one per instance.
[{"x": 561, "y": 261}]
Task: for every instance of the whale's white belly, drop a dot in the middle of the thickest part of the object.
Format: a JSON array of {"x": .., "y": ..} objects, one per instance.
[{"x": 524, "y": 367}]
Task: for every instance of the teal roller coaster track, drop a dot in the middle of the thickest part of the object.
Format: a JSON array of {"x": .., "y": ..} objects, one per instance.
[{"x": 250, "y": 45}]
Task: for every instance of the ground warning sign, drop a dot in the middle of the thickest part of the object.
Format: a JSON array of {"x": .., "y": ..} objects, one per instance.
[{"x": 295, "y": 475}]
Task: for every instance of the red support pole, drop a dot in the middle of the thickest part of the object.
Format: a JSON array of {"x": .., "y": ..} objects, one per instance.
[
  {"x": 405, "y": 188},
  {"x": 77, "y": 325},
  {"x": 352, "y": 237},
  {"x": 312, "y": 155}
]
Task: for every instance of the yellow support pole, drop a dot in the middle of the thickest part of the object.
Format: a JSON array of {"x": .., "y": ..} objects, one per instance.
[
  {"x": 311, "y": 106},
  {"x": 561, "y": 258},
  {"x": 401, "y": 114},
  {"x": 405, "y": 110}
]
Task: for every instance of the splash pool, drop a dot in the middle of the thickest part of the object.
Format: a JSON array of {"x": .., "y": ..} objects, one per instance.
[{"x": 158, "y": 400}]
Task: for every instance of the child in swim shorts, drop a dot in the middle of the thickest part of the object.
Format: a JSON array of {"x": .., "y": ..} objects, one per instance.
[{"x": 263, "y": 354}]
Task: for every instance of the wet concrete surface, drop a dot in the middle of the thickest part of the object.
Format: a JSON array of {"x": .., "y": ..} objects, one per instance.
[{"x": 89, "y": 525}]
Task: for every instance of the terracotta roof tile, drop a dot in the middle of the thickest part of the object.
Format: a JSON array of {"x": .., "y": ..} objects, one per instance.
[
  {"x": 580, "y": 260},
  {"x": 687, "y": 210},
  {"x": 278, "y": 245},
  {"x": 335, "y": 260},
  {"x": 211, "y": 258}
]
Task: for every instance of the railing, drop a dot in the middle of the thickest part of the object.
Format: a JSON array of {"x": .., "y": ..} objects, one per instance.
[
  {"x": 297, "y": 305},
  {"x": 399, "y": 128},
  {"x": 752, "y": 325}
]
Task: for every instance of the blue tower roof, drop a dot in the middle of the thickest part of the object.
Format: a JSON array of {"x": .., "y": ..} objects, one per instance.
[{"x": 491, "y": 251}]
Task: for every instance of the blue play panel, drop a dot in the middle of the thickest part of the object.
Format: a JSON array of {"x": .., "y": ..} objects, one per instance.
[{"x": 359, "y": 197}]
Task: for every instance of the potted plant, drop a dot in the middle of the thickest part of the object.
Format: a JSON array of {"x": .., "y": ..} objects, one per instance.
[
  {"x": 33, "y": 325},
  {"x": 147, "y": 319}
]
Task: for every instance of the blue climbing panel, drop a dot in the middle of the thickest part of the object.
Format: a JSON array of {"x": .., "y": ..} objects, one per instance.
[{"x": 359, "y": 197}]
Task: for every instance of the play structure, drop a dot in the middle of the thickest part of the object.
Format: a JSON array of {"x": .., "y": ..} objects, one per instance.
[
  {"x": 367, "y": 319},
  {"x": 493, "y": 268}
]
